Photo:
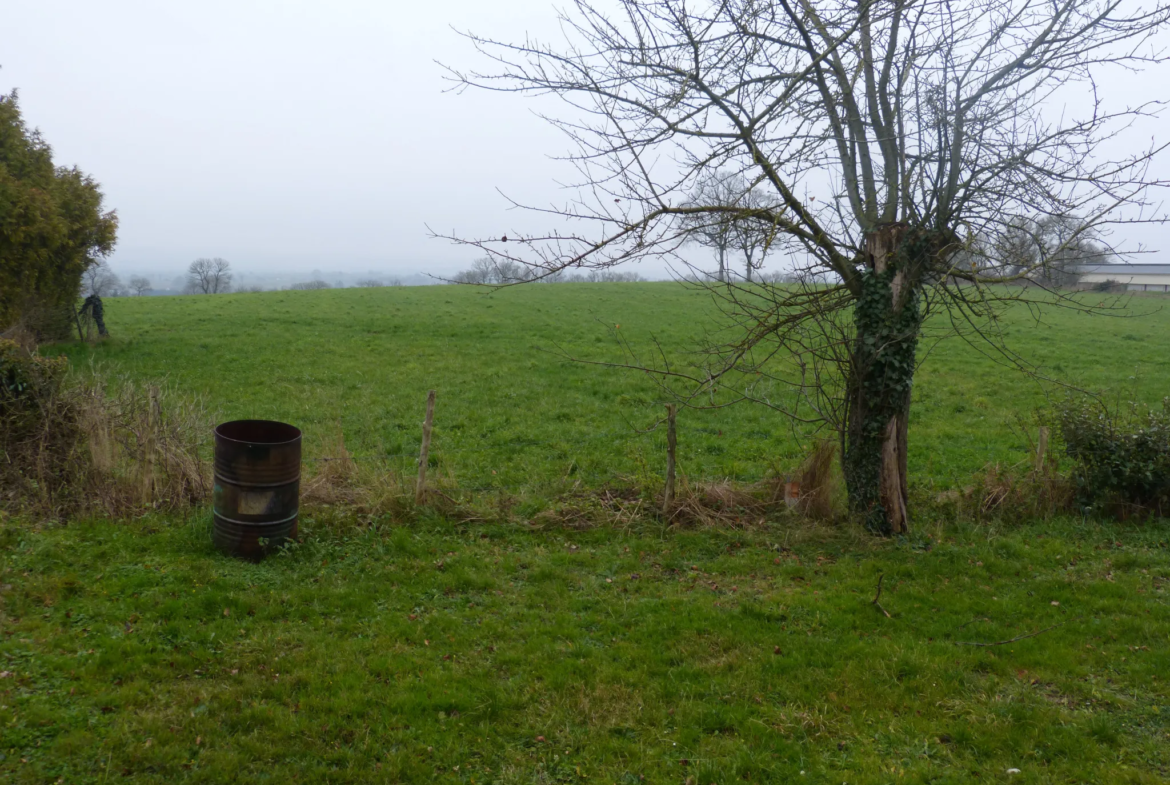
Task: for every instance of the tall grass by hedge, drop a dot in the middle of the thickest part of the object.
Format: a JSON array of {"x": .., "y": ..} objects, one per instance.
[{"x": 74, "y": 445}]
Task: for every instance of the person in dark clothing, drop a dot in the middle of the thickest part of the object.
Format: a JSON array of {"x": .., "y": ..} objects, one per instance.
[{"x": 92, "y": 309}]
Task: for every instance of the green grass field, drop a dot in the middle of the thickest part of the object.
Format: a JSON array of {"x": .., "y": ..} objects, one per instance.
[
  {"x": 512, "y": 412},
  {"x": 432, "y": 650}
]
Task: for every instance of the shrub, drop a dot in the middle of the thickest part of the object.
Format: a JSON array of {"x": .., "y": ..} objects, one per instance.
[{"x": 1121, "y": 455}]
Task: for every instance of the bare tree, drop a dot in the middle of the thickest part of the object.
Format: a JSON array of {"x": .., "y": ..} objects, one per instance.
[
  {"x": 368, "y": 283},
  {"x": 98, "y": 279},
  {"x": 311, "y": 285},
  {"x": 209, "y": 276},
  {"x": 716, "y": 230},
  {"x": 890, "y": 134},
  {"x": 726, "y": 231},
  {"x": 139, "y": 285},
  {"x": 1068, "y": 245},
  {"x": 752, "y": 238},
  {"x": 1064, "y": 242}
]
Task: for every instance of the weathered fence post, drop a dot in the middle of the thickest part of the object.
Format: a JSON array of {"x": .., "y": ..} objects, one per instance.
[
  {"x": 420, "y": 489},
  {"x": 1041, "y": 448},
  {"x": 150, "y": 447},
  {"x": 671, "y": 445}
]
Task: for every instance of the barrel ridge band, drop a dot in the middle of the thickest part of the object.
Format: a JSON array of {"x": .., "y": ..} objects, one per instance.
[
  {"x": 257, "y": 523},
  {"x": 239, "y": 484}
]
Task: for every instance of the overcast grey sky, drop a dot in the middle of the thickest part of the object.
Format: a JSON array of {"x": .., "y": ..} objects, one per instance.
[{"x": 295, "y": 134}]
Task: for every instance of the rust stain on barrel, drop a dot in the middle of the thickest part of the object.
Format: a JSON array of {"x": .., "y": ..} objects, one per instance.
[{"x": 257, "y": 486}]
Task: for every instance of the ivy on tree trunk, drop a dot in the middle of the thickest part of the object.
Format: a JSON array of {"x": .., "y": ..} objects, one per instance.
[{"x": 888, "y": 320}]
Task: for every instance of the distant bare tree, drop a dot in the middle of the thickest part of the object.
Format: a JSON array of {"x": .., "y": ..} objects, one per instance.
[
  {"x": 1016, "y": 248},
  {"x": 99, "y": 279},
  {"x": 1050, "y": 250},
  {"x": 311, "y": 285},
  {"x": 891, "y": 135},
  {"x": 753, "y": 238},
  {"x": 716, "y": 230},
  {"x": 1067, "y": 244},
  {"x": 139, "y": 285},
  {"x": 724, "y": 231},
  {"x": 368, "y": 283},
  {"x": 251, "y": 289},
  {"x": 209, "y": 276}
]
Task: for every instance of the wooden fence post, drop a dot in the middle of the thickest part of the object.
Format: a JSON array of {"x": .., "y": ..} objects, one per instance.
[
  {"x": 671, "y": 446},
  {"x": 420, "y": 489},
  {"x": 1041, "y": 448},
  {"x": 150, "y": 448}
]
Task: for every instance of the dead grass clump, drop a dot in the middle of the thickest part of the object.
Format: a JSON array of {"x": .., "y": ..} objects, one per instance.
[
  {"x": 334, "y": 480},
  {"x": 723, "y": 504},
  {"x": 39, "y": 434},
  {"x": 818, "y": 483},
  {"x": 370, "y": 489},
  {"x": 1006, "y": 494},
  {"x": 811, "y": 491},
  {"x": 1034, "y": 494},
  {"x": 619, "y": 507},
  {"x": 85, "y": 446},
  {"x": 146, "y": 446}
]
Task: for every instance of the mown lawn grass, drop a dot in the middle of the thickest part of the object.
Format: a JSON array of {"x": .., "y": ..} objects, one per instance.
[
  {"x": 492, "y": 654},
  {"x": 514, "y": 413}
]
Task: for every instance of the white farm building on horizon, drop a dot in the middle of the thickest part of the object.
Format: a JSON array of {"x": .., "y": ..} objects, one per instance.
[{"x": 1134, "y": 277}]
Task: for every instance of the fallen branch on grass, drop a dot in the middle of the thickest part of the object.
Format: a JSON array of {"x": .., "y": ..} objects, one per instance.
[
  {"x": 1013, "y": 640},
  {"x": 878, "y": 596}
]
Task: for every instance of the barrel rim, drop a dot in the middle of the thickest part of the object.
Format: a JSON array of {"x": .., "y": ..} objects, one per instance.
[{"x": 235, "y": 424}]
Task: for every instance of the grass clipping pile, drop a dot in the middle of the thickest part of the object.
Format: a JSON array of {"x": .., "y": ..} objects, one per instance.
[{"x": 73, "y": 446}]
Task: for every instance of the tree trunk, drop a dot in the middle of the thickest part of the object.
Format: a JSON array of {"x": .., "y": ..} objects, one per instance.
[{"x": 887, "y": 321}]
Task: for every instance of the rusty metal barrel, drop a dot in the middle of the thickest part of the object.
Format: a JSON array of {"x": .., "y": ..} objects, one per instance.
[{"x": 257, "y": 486}]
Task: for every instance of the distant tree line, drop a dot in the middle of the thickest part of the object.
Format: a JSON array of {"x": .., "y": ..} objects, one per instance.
[{"x": 503, "y": 272}]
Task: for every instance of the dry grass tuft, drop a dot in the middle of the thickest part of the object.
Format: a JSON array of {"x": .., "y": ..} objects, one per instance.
[
  {"x": 619, "y": 507},
  {"x": 818, "y": 483},
  {"x": 722, "y": 504},
  {"x": 1003, "y": 493},
  {"x": 334, "y": 480},
  {"x": 145, "y": 445},
  {"x": 1000, "y": 493},
  {"x": 371, "y": 489},
  {"x": 75, "y": 446}
]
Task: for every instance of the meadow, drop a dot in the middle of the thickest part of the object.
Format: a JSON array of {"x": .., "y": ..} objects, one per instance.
[
  {"x": 504, "y": 650},
  {"x": 513, "y": 412}
]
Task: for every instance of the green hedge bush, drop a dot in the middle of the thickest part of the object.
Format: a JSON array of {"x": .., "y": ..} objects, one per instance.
[{"x": 1121, "y": 455}]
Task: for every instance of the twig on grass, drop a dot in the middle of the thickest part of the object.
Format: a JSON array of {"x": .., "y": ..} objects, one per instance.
[
  {"x": 878, "y": 596},
  {"x": 1013, "y": 640},
  {"x": 440, "y": 493}
]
